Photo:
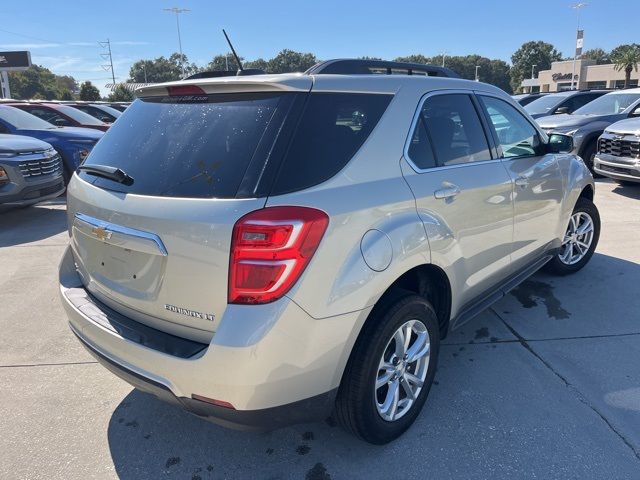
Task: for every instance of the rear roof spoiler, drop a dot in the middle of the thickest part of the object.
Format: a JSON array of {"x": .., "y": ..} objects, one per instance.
[{"x": 349, "y": 66}]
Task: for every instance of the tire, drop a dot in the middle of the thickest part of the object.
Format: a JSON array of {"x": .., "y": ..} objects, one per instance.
[
  {"x": 358, "y": 407},
  {"x": 588, "y": 155},
  {"x": 563, "y": 264}
]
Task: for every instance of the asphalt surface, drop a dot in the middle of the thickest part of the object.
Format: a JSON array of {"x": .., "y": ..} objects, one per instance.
[{"x": 545, "y": 384}]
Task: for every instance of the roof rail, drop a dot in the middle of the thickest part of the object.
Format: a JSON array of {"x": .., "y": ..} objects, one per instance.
[{"x": 350, "y": 66}]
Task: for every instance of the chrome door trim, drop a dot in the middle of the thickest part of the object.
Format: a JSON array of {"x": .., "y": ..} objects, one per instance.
[{"x": 104, "y": 231}]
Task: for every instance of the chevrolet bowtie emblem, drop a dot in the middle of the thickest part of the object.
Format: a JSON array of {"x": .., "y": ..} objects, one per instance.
[{"x": 102, "y": 233}]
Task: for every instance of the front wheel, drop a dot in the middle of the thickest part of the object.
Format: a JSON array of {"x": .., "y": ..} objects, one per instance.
[
  {"x": 580, "y": 239},
  {"x": 390, "y": 371}
]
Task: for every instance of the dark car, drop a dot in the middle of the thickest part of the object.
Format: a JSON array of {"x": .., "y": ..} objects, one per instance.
[
  {"x": 587, "y": 123},
  {"x": 120, "y": 106},
  {"x": 61, "y": 115},
  {"x": 30, "y": 171},
  {"x": 73, "y": 144},
  {"x": 526, "y": 98},
  {"x": 104, "y": 113},
  {"x": 562, "y": 102}
]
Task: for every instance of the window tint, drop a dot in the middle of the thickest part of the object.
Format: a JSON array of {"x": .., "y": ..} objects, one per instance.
[
  {"x": 514, "y": 133},
  {"x": 332, "y": 129},
  {"x": 581, "y": 100},
  {"x": 181, "y": 147},
  {"x": 49, "y": 116},
  {"x": 22, "y": 120},
  {"x": 420, "y": 150},
  {"x": 455, "y": 130}
]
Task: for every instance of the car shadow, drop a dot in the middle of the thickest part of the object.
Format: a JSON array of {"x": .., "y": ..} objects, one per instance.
[
  {"x": 150, "y": 439},
  {"x": 629, "y": 191},
  {"x": 31, "y": 224}
]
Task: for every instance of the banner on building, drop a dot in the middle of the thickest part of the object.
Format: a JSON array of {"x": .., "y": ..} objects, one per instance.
[{"x": 579, "y": 43}]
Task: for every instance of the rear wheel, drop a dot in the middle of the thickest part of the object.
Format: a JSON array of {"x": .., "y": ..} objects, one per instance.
[
  {"x": 580, "y": 239},
  {"x": 390, "y": 371}
]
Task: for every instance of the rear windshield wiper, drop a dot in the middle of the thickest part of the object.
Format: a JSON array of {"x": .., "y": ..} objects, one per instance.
[{"x": 111, "y": 173}]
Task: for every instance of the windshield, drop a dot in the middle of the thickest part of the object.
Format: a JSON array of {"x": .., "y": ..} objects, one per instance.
[
  {"x": 109, "y": 110},
  {"x": 543, "y": 104},
  {"x": 176, "y": 147},
  {"x": 609, "y": 104},
  {"x": 78, "y": 116},
  {"x": 22, "y": 120}
]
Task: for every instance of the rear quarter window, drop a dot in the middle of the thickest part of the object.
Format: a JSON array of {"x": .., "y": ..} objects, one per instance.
[{"x": 331, "y": 130}]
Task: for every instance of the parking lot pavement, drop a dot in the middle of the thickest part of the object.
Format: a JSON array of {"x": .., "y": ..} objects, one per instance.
[{"x": 544, "y": 384}]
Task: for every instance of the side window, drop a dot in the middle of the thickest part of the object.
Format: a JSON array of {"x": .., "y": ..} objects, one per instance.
[
  {"x": 452, "y": 125},
  {"x": 580, "y": 101},
  {"x": 3, "y": 128},
  {"x": 515, "y": 135},
  {"x": 49, "y": 116}
]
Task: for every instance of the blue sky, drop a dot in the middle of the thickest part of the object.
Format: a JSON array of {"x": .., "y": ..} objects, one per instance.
[{"x": 63, "y": 35}]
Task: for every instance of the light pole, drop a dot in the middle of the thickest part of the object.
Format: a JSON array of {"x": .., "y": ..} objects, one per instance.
[
  {"x": 444, "y": 53},
  {"x": 477, "y": 77},
  {"x": 178, "y": 11},
  {"x": 577, "y": 8},
  {"x": 532, "y": 69}
]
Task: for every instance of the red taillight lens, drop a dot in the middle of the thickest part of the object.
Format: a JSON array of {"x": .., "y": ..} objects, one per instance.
[
  {"x": 270, "y": 249},
  {"x": 179, "y": 90}
]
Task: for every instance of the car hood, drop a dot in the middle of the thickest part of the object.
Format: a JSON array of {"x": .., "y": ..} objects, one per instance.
[
  {"x": 569, "y": 120},
  {"x": 629, "y": 126},
  {"x": 64, "y": 133},
  {"x": 15, "y": 144}
]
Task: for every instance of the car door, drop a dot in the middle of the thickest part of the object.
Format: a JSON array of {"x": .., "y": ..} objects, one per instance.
[
  {"x": 49, "y": 115},
  {"x": 462, "y": 192},
  {"x": 537, "y": 182}
]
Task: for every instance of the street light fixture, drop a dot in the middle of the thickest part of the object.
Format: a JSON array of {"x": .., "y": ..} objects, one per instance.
[
  {"x": 178, "y": 11},
  {"x": 577, "y": 8}
]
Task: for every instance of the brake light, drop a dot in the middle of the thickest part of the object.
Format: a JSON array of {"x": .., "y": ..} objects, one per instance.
[
  {"x": 179, "y": 90},
  {"x": 270, "y": 248}
]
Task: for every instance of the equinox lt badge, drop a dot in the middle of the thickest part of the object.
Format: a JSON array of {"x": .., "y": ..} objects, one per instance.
[{"x": 190, "y": 313}]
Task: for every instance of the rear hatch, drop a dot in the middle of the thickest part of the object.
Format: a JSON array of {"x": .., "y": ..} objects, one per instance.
[{"x": 157, "y": 249}]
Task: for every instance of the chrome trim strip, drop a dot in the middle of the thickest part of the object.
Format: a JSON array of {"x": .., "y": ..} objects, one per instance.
[{"x": 131, "y": 232}]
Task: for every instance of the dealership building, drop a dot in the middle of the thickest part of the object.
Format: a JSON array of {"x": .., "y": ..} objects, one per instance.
[{"x": 587, "y": 75}]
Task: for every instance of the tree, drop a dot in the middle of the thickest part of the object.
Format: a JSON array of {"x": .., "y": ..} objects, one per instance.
[
  {"x": 120, "y": 94},
  {"x": 598, "y": 54},
  {"x": 66, "y": 83},
  {"x": 626, "y": 57},
  {"x": 161, "y": 69},
  {"x": 88, "y": 91},
  {"x": 538, "y": 53},
  {"x": 65, "y": 95},
  {"x": 418, "y": 58},
  {"x": 290, "y": 61},
  {"x": 35, "y": 81},
  {"x": 260, "y": 64},
  {"x": 223, "y": 62}
]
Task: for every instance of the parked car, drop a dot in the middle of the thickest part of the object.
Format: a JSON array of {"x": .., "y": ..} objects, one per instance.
[
  {"x": 104, "y": 113},
  {"x": 61, "y": 115},
  {"x": 73, "y": 144},
  {"x": 526, "y": 98},
  {"x": 30, "y": 171},
  {"x": 265, "y": 250},
  {"x": 562, "y": 102},
  {"x": 120, "y": 106},
  {"x": 586, "y": 124},
  {"x": 618, "y": 155}
]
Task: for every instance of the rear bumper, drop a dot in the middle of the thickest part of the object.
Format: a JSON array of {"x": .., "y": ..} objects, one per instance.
[
  {"x": 307, "y": 410},
  {"x": 617, "y": 168},
  {"x": 275, "y": 369}
]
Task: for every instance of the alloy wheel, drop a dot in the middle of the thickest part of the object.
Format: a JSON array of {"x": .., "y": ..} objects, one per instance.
[
  {"x": 577, "y": 239},
  {"x": 402, "y": 370}
]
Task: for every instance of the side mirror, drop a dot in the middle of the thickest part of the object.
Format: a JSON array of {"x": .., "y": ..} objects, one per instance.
[
  {"x": 635, "y": 112},
  {"x": 60, "y": 122},
  {"x": 559, "y": 143},
  {"x": 561, "y": 110}
]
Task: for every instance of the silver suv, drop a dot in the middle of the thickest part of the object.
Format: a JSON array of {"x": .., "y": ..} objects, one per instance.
[
  {"x": 618, "y": 154},
  {"x": 265, "y": 250}
]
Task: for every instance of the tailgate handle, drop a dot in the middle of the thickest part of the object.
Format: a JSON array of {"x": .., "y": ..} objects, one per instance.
[{"x": 118, "y": 235}]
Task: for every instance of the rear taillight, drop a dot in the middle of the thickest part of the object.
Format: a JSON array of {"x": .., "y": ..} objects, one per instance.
[{"x": 270, "y": 249}]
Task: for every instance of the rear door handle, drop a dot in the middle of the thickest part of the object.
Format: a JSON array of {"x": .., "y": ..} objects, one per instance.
[
  {"x": 447, "y": 192},
  {"x": 522, "y": 181}
]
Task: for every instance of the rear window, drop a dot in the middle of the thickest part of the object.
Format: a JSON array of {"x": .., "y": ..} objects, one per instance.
[
  {"x": 332, "y": 129},
  {"x": 235, "y": 145},
  {"x": 174, "y": 147}
]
